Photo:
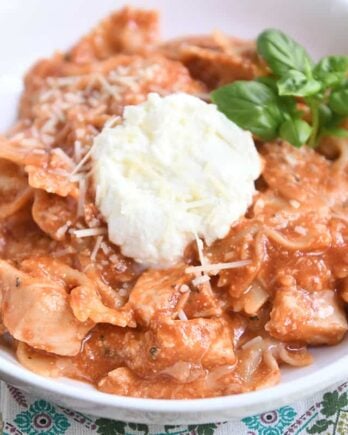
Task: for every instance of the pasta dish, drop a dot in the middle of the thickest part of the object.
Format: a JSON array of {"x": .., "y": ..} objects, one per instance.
[{"x": 250, "y": 273}]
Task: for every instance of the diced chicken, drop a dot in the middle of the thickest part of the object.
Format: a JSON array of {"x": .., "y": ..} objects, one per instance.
[
  {"x": 157, "y": 293},
  {"x": 203, "y": 343},
  {"x": 244, "y": 242},
  {"x": 307, "y": 317},
  {"x": 295, "y": 173},
  {"x": 36, "y": 311},
  {"x": 203, "y": 302}
]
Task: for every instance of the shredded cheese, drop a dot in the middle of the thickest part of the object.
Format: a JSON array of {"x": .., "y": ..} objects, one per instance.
[
  {"x": 77, "y": 151},
  {"x": 200, "y": 280},
  {"x": 83, "y": 161},
  {"x": 60, "y": 153},
  {"x": 62, "y": 230},
  {"x": 294, "y": 203},
  {"x": 96, "y": 248},
  {"x": 82, "y": 196},
  {"x": 182, "y": 315},
  {"x": 184, "y": 288},
  {"x": 89, "y": 232},
  {"x": 215, "y": 268}
]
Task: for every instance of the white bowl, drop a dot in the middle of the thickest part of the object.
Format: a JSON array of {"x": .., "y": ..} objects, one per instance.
[{"x": 33, "y": 28}]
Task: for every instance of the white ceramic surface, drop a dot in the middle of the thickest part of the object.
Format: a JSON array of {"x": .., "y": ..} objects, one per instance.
[{"x": 33, "y": 28}]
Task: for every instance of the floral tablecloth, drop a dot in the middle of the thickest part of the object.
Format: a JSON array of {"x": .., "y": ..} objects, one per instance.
[{"x": 325, "y": 413}]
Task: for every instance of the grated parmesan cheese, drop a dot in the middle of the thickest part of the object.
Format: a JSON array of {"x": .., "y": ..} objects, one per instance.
[
  {"x": 182, "y": 315},
  {"x": 200, "y": 280},
  {"x": 89, "y": 232},
  {"x": 96, "y": 248},
  {"x": 82, "y": 196},
  {"x": 184, "y": 288},
  {"x": 215, "y": 268},
  {"x": 62, "y": 230},
  {"x": 62, "y": 154},
  {"x": 294, "y": 203}
]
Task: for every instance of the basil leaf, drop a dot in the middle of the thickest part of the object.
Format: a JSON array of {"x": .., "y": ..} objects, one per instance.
[
  {"x": 338, "y": 101},
  {"x": 297, "y": 84},
  {"x": 269, "y": 81},
  {"x": 251, "y": 105},
  {"x": 295, "y": 131},
  {"x": 287, "y": 105},
  {"x": 331, "y": 70},
  {"x": 282, "y": 53}
]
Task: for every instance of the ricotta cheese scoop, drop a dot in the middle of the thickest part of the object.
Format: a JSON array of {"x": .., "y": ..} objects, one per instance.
[{"x": 174, "y": 169}]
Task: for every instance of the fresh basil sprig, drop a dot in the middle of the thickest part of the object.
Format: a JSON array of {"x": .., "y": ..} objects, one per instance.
[{"x": 268, "y": 105}]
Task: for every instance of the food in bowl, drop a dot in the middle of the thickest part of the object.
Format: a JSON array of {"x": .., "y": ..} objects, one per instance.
[{"x": 158, "y": 245}]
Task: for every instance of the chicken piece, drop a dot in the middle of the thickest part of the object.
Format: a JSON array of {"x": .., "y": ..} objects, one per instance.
[
  {"x": 244, "y": 242},
  {"x": 296, "y": 173},
  {"x": 202, "y": 343},
  {"x": 158, "y": 294},
  {"x": 215, "y": 60},
  {"x": 35, "y": 310},
  {"x": 307, "y": 317},
  {"x": 53, "y": 214},
  {"x": 203, "y": 302},
  {"x": 129, "y": 30}
]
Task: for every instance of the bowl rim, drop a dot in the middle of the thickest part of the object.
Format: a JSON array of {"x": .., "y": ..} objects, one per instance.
[{"x": 292, "y": 390}]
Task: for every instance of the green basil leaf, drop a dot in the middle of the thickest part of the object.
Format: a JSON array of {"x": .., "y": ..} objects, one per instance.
[
  {"x": 298, "y": 84},
  {"x": 269, "y": 81},
  {"x": 331, "y": 70},
  {"x": 251, "y": 105},
  {"x": 282, "y": 53},
  {"x": 338, "y": 101},
  {"x": 287, "y": 105},
  {"x": 295, "y": 131}
]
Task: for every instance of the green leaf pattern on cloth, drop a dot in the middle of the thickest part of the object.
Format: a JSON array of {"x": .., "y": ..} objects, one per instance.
[
  {"x": 42, "y": 418},
  {"x": 333, "y": 409},
  {"x": 325, "y": 414}
]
